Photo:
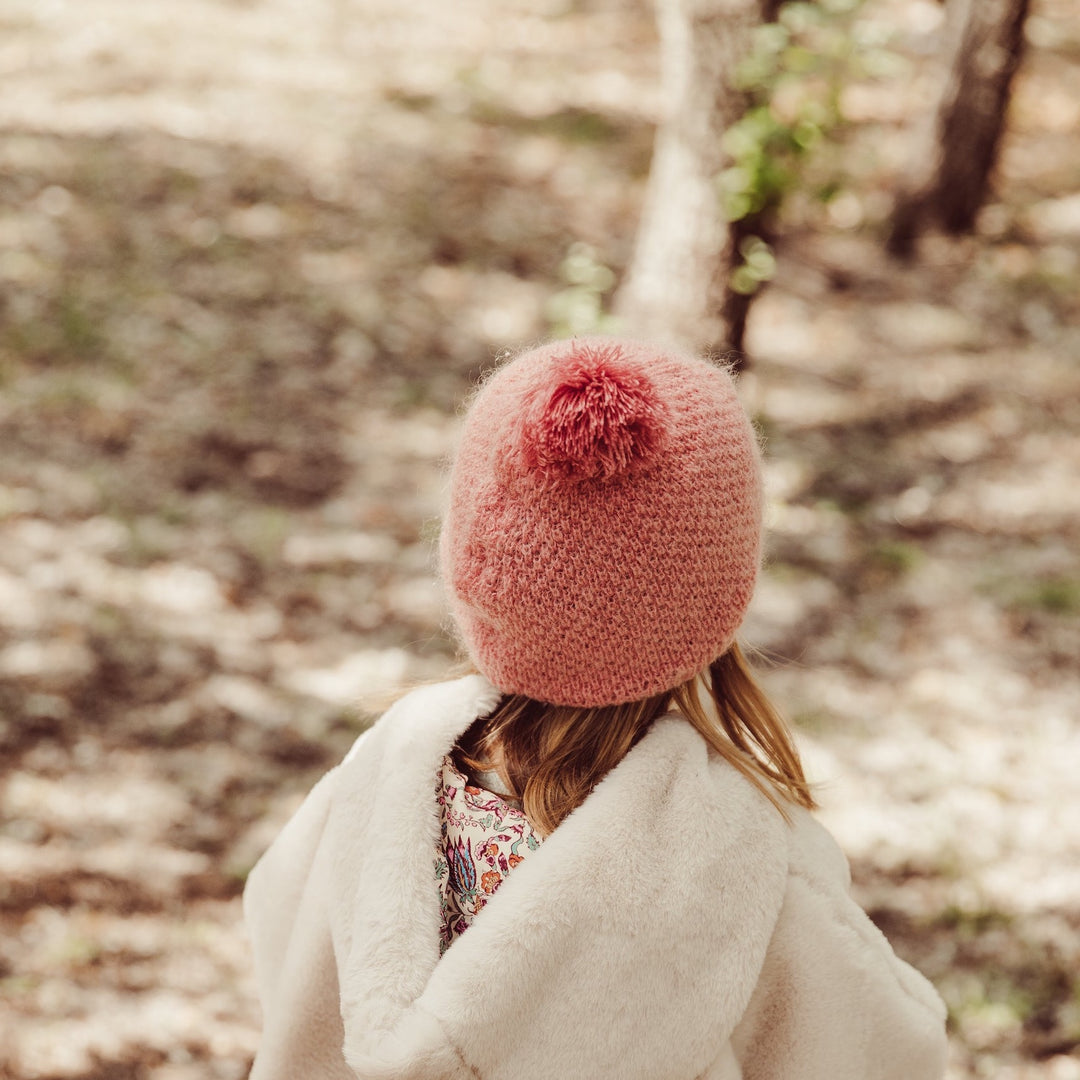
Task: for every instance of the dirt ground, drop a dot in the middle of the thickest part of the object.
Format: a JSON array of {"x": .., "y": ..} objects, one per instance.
[{"x": 252, "y": 255}]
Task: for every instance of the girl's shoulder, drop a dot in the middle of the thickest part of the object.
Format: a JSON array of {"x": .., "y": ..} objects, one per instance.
[
  {"x": 813, "y": 852},
  {"x": 429, "y": 714}
]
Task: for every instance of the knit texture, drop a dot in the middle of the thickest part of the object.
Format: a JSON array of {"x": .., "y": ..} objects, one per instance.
[{"x": 604, "y": 525}]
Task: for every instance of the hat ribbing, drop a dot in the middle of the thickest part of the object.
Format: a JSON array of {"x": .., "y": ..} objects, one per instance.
[{"x": 604, "y": 527}]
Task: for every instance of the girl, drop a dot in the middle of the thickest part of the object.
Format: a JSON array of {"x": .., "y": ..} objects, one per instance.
[{"x": 594, "y": 856}]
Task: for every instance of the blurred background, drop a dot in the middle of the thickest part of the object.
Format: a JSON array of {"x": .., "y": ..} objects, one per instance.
[{"x": 252, "y": 255}]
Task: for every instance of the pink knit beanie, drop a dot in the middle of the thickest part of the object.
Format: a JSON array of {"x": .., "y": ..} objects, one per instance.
[{"x": 604, "y": 527}]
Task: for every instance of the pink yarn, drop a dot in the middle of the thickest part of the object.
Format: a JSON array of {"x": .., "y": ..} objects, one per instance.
[
  {"x": 601, "y": 417},
  {"x": 604, "y": 527}
]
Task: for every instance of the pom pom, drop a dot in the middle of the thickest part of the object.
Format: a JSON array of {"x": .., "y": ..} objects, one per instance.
[{"x": 602, "y": 416}]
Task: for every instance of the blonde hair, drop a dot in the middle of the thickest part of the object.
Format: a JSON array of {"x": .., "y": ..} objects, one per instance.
[{"x": 551, "y": 756}]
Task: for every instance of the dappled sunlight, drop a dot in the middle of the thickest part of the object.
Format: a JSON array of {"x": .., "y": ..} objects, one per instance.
[{"x": 252, "y": 258}]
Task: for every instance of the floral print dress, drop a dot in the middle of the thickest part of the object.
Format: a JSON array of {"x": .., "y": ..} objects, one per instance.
[{"x": 483, "y": 838}]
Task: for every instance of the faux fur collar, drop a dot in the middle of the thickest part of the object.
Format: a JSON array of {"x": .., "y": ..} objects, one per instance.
[{"x": 653, "y": 904}]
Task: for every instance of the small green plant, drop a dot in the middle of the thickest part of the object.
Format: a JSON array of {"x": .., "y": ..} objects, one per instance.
[
  {"x": 262, "y": 533},
  {"x": 1055, "y": 595},
  {"x": 76, "y": 951},
  {"x": 578, "y": 308},
  {"x": 1059, "y": 596},
  {"x": 814, "y": 721},
  {"x": 80, "y": 334},
  {"x": 895, "y": 557},
  {"x": 791, "y": 79},
  {"x": 969, "y": 923},
  {"x": 758, "y": 265}
]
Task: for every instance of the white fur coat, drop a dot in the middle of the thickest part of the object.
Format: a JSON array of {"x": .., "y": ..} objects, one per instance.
[{"x": 674, "y": 927}]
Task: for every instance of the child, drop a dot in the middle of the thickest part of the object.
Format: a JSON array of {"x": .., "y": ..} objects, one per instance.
[{"x": 594, "y": 857}]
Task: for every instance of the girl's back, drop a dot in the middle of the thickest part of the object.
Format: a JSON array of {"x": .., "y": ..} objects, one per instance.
[{"x": 674, "y": 926}]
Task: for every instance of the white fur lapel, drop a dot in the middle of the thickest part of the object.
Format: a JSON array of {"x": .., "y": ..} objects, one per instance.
[
  {"x": 383, "y": 831},
  {"x": 654, "y": 902}
]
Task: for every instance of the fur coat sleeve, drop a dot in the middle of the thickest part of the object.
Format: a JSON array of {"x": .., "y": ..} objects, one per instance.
[{"x": 674, "y": 927}]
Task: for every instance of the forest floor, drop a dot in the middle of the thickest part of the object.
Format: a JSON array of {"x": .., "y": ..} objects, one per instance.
[{"x": 253, "y": 254}]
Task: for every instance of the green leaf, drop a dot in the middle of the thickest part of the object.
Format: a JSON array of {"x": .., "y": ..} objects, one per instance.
[{"x": 743, "y": 282}]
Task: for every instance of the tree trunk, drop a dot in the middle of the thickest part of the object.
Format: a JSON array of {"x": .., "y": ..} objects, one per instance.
[
  {"x": 953, "y": 172},
  {"x": 676, "y": 283},
  {"x": 735, "y": 308}
]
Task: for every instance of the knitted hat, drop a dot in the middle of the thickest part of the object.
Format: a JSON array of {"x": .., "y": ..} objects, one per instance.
[{"x": 604, "y": 526}]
